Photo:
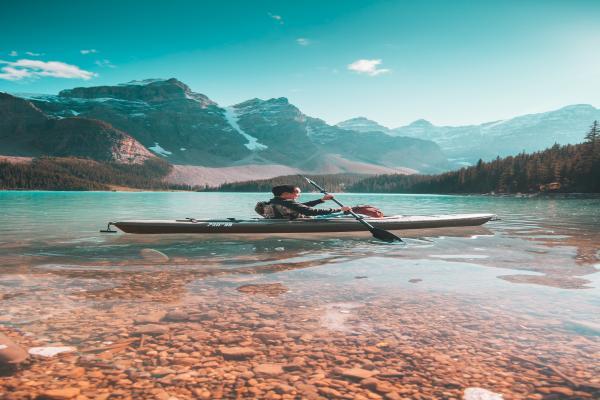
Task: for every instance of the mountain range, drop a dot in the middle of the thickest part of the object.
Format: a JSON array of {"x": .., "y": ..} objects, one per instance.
[
  {"x": 164, "y": 118},
  {"x": 467, "y": 144},
  {"x": 188, "y": 128}
]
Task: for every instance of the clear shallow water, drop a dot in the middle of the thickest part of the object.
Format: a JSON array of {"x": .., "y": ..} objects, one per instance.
[
  {"x": 529, "y": 280},
  {"x": 539, "y": 247}
]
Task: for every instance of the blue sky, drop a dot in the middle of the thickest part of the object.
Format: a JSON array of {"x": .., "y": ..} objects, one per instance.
[{"x": 451, "y": 62}]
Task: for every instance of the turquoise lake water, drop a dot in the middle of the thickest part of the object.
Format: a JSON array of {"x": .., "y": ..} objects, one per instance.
[
  {"x": 558, "y": 238},
  {"x": 540, "y": 259}
]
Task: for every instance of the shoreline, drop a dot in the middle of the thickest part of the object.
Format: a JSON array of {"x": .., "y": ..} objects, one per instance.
[{"x": 123, "y": 189}]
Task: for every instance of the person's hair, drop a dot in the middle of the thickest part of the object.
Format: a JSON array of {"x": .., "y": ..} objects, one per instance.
[{"x": 279, "y": 190}]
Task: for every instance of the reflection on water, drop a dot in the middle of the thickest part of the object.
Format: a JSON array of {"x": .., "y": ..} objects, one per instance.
[{"x": 452, "y": 308}]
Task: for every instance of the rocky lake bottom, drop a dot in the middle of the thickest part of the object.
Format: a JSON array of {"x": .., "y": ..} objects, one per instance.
[{"x": 508, "y": 310}]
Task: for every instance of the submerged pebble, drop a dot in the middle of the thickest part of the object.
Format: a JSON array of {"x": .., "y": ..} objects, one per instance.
[
  {"x": 10, "y": 352},
  {"x": 51, "y": 351},
  {"x": 269, "y": 289},
  {"x": 475, "y": 393}
]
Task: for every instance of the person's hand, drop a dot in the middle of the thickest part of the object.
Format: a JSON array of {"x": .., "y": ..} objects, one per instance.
[
  {"x": 346, "y": 209},
  {"x": 327, "y": 197}
]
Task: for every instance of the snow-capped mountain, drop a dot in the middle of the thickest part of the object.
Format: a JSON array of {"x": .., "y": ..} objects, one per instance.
[
  {"x": 188, "y": 128},
  {"x": 362, "y": 124},
  {"x": 529, "y": 133},
  {"x": 309, "y": 143},
  {"x": 164, "y": 115}
]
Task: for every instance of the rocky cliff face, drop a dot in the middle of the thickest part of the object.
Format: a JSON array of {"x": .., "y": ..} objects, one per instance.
[
  {"x": 280, "y": 127},
  {"x": 26, "y": 131},
  {"x": 164, "y": 115},
  {"x": 149, "y": 90}
]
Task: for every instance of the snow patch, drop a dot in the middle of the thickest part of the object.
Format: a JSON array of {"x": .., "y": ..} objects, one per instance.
[
  {"x": 159, "y": 150},
  {"x": 183, "y": 149},
  {"x": 232, "y": 118},
  {"x": 75, "y": 113},
  {"x": 143, "y": 82}
]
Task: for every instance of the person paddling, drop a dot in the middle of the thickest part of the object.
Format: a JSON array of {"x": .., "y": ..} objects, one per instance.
[{"x": 284, "y": 205}]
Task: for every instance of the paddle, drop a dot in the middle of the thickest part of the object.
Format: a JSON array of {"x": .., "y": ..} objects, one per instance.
[{"x": 378, "y": 233}]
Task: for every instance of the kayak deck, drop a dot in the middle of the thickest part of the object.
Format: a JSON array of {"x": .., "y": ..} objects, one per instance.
[{"x": 233, "y": 226}]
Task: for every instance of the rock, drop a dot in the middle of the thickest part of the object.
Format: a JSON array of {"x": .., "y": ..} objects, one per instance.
[
  {"x": 151, "y": 329},
  {"x": 415, "y": 280},
  {"x": 266, "y": 336},
  {"x": 377, "y": 385},
  {"x": 176, "y": 316},
  {"x": 237, "y": 353},
  {"x": 357, "y": 373},
  {"x": 268, "y": 370},
  {"x": 51, "y": 351},
  {"x": 230, "y": 339},
  {"x": 161, "y": 371},
  {"x": 269, "y": 289},
  {"x": 10, "y": 352},
  {"x": 77, "y": 372},
  {"x": 150, "y": 318},
  {"x": 59, "y": 394},
  {"x": 475, "y": 393},
  {"x": 329, "y": 392},
  {"x": 361, "y": 277},
  {"x": 561, "y": 390},
  {"x": 153, "y": 255}
]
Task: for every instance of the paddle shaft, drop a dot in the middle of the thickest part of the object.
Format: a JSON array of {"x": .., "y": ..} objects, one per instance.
[{"x": 359, "y": 219}]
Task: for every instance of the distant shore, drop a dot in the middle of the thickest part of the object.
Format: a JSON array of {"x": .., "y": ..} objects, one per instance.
[{"x": 125, "y": 189}]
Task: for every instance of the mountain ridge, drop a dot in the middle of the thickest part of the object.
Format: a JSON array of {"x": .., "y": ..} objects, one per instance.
[
  {"x": 188, "y": 128},
  {"x": 529, "y": 132}
]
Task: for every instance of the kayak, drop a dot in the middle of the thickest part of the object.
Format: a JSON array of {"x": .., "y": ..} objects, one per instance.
[{"x": 308, "y": 225}]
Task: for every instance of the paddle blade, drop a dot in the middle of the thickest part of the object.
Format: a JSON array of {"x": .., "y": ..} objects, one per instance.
[{"x": 385, "y": 235}]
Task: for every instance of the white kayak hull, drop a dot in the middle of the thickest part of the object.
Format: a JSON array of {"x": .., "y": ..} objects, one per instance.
[{"x": 275, "y": 226}]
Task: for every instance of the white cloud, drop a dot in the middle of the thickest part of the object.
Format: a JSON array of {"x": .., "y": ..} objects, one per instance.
[
  {"x": 368, "y": 67},
  {"x": 88, "y": 51},
  {"x": 13, "y": 74},
  {"x": 24, "y": 68},
  {"x": 303, "y": 41},
  {"x": 30, "y": 53},
  {"x": 105, "y": 63},
  {"x": 13, "y": 54},
  {"x": 277, "y": 18}
]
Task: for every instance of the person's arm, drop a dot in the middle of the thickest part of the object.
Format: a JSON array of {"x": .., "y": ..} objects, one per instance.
[
  {"x": 313, "y": 203},
  {"x": 305, "y": 210}
]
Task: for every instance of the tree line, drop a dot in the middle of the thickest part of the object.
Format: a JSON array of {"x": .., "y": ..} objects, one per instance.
[
  {"x": 57, "y": 173},
  {"x": 333, "y": 182},
  {"x": 566, "y": 169}
]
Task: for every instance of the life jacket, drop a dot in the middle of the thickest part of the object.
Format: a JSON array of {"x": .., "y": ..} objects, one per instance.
[
  {"x": 273, "y": 210},
  {"x": 265, "y": 209},
  {"x": 368, "y": 210}
]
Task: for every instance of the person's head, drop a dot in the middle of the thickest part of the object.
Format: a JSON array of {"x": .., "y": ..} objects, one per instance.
[{"x": 288, "y": 192}]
